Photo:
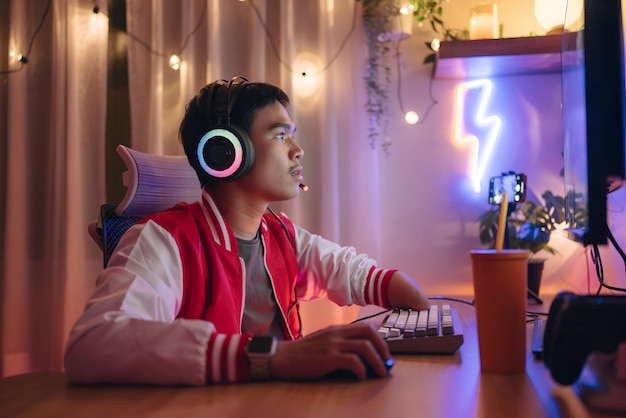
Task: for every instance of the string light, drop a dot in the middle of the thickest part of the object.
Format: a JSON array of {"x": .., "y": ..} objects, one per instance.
[
  {"x": 411, "y": 117},
  {"x": 407, "y": 9},
  {"x": 286, "y": 65},
  {"x": 304, "y": 75},
  {"x": 18, "y": 57},
  {"x": 95, "y": 10},
  {"x": 174, "y": 62},
  {"x": 435, "y": 44},
  {"x": 23, "y": 58},
  {"x": 304, "y": 83}
]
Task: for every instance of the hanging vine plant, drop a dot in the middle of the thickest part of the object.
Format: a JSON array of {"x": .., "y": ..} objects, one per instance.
[{"x": 377, "y": 21}]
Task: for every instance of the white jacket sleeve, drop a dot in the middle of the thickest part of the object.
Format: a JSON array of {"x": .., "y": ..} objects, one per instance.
[
  {"x": 346, "y": 276},
  {"x": 129, "y": 331}
]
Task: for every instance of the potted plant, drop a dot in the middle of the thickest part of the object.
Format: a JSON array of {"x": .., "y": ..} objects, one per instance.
[
  {"x": 431, "y": 11},
  {"x": 529, "y": 226}
]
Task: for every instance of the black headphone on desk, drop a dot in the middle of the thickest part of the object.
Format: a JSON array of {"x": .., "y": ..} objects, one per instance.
[{"x": 225, "y": 152}]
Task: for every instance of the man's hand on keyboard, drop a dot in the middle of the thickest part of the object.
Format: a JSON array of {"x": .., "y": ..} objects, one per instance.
[
  {"x": 428, "y": 331},
  {"x": 339, "y": 347},
  {"x": 403, "y": 292}
]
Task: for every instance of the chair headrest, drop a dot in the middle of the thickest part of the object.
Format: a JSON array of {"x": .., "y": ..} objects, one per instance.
[{"x": 155, "y": 182}]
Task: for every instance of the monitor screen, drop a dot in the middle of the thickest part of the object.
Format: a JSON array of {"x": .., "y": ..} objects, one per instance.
[{"x": 592, "y": 82}]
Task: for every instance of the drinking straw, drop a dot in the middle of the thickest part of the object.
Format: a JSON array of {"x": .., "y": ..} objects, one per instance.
[{"x": 504, "y": 208}]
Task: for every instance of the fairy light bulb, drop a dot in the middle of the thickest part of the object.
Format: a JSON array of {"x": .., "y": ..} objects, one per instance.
[
  {"x": 435, "y": 44},
  {"x": 407, "y": 9},
  {"x": 174, "y": 62},
  {"x": 306, "y": 80},
  {"x": 411, "y": 117}
]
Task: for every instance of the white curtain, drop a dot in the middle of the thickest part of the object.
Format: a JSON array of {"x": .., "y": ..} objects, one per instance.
[
  {"x": 52, "y": 175},
  {"x": 53, "y": 110}
]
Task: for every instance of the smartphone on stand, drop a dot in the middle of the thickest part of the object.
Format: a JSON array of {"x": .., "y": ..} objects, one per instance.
[{"x": 514, "y": 184}]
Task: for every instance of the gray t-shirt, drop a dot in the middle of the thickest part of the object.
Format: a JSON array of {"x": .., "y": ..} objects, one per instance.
[{"x": 260, "y": 314}]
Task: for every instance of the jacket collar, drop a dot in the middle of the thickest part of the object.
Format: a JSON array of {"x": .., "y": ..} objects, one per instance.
[{"x": 220, "y": 230}]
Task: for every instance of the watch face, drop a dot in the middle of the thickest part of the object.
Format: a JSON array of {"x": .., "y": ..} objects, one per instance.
[{"x": 261, "y": 345}]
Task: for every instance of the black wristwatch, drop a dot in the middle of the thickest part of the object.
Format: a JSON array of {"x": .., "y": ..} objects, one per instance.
[{"x": 259, "y": 351}]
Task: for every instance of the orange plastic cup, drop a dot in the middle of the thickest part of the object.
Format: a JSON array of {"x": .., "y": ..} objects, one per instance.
[{"x": 500, "y": 295}]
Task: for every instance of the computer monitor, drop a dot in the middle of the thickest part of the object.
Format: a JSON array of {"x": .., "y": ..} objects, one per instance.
[{"x": 593, "y": 119}]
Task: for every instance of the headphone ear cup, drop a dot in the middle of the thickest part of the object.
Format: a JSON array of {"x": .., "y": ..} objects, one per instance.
[{"x": 225, "y": 153}]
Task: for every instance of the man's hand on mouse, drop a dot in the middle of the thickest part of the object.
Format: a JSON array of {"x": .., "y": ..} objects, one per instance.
[{"x": 339, "y": 347}]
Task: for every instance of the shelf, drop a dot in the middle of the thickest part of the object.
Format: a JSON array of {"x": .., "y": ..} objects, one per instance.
[{"x": 462, "y": 60}]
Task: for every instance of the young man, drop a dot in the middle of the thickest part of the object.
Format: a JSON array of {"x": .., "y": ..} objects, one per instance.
[{"x": 200, "y": 293}]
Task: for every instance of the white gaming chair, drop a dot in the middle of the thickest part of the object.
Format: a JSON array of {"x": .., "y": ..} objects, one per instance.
[{"x": 153, "y": 183}]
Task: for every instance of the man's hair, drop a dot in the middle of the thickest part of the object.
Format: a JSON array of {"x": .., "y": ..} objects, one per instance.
[{"x": 197, "y": 119}]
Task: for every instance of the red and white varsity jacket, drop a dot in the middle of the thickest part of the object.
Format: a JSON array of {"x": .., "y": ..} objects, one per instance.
[{"x": 168, "y": 308}]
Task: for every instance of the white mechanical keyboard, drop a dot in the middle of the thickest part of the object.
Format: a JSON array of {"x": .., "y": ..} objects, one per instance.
[{"x": 434, "y": 331}]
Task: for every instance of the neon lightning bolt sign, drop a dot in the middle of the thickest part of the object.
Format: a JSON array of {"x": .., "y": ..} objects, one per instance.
[{"x": 488, "y": 128}]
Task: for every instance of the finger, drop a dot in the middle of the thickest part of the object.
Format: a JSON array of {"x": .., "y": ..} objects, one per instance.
[
  {"x": 364, "y": 358},
  {"x": 349, "y": 361},
  {"x": 368, "y": 331}
]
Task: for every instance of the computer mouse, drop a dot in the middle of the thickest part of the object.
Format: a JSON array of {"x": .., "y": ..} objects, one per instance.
[{"x": 346, "y": 374}]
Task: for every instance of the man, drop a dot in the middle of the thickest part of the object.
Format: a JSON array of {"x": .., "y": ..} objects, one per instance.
[{"x": 208, "y": 292}]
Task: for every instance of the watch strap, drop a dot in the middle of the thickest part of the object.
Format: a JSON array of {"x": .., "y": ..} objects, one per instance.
[{"x": 259, "y": 361}]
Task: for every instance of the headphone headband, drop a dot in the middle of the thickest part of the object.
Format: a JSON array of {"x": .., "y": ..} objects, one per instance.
[
  {"x": 235, "y": 86},
  {"x": 222, "y": 98}
]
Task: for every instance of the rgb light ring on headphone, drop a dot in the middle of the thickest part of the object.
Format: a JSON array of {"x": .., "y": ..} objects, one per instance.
[
  {"x": 225, "y": 152},
  {"x": 230, "y": 148}
]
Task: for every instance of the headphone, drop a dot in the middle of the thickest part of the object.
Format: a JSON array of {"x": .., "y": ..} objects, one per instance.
[{"x": 225, "y": 152}]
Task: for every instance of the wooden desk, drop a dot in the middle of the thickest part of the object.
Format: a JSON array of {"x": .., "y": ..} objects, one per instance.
[{"x": 428, "y": 386}]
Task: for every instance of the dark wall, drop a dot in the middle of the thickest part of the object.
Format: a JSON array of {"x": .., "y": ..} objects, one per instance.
[{"x": 118, "y": 104}]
